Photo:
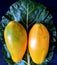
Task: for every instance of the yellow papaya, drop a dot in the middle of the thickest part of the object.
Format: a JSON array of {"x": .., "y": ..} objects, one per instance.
[
  {"x": 38, "y": 43},
  {"x": 16, "y": 40}
]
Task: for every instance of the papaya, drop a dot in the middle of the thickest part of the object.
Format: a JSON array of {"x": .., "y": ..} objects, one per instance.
[
  {"x": 15, "y": 37},
  {"x": 38, "y": 43}
]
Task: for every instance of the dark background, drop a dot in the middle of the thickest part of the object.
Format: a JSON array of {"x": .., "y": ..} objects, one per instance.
[{"x": 52, "y": 7}]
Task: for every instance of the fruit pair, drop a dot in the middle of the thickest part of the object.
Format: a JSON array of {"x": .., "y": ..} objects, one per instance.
[{"x": 16, "y": 41}]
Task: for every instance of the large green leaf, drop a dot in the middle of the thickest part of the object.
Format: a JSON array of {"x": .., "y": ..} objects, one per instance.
[{"x": 28, "y": 13}]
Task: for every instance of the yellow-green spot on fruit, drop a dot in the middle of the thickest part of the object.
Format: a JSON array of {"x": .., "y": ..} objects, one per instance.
[
  {"x": 38, "y": 44},
  {"x": 16, "y": 40}
]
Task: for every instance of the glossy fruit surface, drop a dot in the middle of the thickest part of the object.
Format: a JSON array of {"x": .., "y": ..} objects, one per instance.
[
  {"x": 38, "y": 43},
  {"x": 16, "y": 40}
]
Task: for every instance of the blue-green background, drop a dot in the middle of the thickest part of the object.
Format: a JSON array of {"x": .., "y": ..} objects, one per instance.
[{"x": 50, "y": 4}]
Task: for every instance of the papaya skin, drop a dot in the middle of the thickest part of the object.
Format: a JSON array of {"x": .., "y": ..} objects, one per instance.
[
  {"x": 16, "y": 40},
  {"x": 38, "y": 44}
]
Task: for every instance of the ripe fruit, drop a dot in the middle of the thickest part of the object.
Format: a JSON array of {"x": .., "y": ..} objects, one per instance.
[
  {"x": 16, "y": 40},
  {"x": 38, "y": 43}
]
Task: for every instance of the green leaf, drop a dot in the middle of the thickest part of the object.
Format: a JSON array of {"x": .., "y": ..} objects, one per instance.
[{"x": 28, "y": 13}]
